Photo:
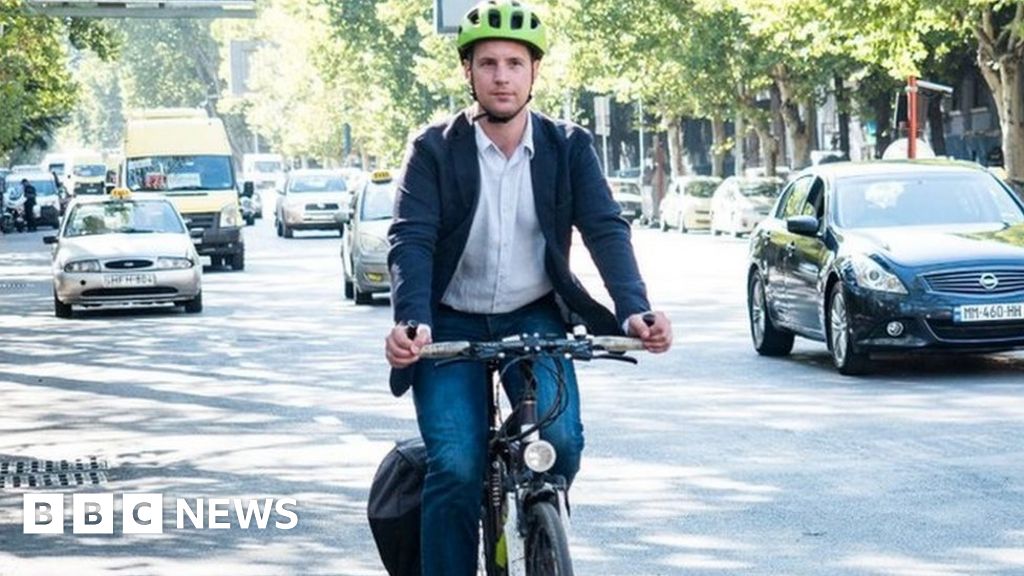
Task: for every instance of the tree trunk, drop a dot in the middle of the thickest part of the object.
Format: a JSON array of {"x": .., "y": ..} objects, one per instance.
[
  {"x": 936, "y": 125},
  {"x": 675, "y": 130},
  {"x": 1000, "y": 65},
  {"x": 659, "y": 181},
  {"x": 769, "y": 147},
  {"x": 797, "y": 128},
  {"x": 718, "y": 147},
  {"x": 843, "y": 106}
]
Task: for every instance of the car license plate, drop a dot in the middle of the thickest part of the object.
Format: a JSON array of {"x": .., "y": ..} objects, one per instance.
[
  {"x": 989, "y": 312},
  {"x": 128, "y": 280}
]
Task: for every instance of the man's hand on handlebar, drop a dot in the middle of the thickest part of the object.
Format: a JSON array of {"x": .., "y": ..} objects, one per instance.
[
  {"x": 654, "y": 329},
  {"x": 402, "y": 346}
]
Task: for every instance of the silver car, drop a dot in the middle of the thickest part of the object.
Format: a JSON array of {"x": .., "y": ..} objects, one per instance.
[
  {"x": 121, "y": 251},
  {"x": 312, "y": 200},
  {"x": 364, "y": 250}
]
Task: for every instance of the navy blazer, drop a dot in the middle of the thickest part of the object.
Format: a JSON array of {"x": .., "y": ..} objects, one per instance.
[{"x": 437, "y": 197}]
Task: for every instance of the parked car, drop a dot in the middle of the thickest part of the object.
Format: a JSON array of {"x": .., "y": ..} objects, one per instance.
[
  {"x": 687, "y": 204},
  {"x": 889, "y": 256},
  {"x": 626, "y": 191},
  {"x": 740, "y": 203},
  {"x": 120, "y": 250},
  {"x": 313, "y": 199},
  {"x": 364, "y": 250}
]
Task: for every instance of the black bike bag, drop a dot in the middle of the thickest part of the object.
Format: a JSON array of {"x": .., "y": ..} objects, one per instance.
[{"x": 394, "y": 507}]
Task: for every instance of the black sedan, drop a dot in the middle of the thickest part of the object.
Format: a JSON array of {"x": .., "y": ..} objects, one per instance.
[{"x": 889, "y": 256}]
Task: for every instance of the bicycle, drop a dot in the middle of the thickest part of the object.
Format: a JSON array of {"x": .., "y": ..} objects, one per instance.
[{"x": 525, "y": 515}]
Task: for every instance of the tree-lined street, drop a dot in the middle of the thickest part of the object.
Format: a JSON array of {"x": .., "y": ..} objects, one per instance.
[{"x": 708, "y": 460}]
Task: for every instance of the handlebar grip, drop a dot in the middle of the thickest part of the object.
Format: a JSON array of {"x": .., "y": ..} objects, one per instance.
[
  {"x": 443, "y": 349},
  {"x": 617, "y": 343}
]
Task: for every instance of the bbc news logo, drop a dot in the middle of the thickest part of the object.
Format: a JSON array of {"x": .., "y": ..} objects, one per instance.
[{"x": 94, "y": 513}]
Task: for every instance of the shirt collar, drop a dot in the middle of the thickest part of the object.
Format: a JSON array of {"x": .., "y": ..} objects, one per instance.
[{"x": 483, "y": 142}]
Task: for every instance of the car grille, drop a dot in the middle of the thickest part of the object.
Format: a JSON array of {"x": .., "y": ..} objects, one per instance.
[
  {"x": 327, "y": 206},
  {"x": 132, "y": 291},
  {"x": 969, "y": 281},
  {"x": 128, "y": 264},
  {"x": 204, "y": 220}
]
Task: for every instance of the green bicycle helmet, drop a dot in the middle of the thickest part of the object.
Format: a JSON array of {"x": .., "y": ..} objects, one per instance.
[{"x": 502, "y": 20}]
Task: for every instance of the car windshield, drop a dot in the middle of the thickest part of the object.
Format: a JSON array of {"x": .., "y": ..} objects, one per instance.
[
  {"x": 90, "y": 170},
  {"x": 180, "y": 173},
  {"x": 767, "y": 188},
  {"x": 924, "y": 199},
  {"x": 127, "y": 217},
  {"x": 317, "y": 184},
  {"x": 701, "y": 188},
  {"x": 378, "y": 202},
  {"x": 267, "y": 166}
]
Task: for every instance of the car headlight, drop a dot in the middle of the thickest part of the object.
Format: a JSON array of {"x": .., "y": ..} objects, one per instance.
[
  {"x": 173, "y": 263},
  {"x": 369, "y": 243},
  {"x": 83, "y": 266},
  {"x": 229, "y": 217},
  {"x": 870, "y": 274}
]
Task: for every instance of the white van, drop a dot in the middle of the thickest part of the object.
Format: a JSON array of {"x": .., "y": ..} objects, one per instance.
[
  {"x": 80, "y": 172},
  {"x": 264, "y": 171}
]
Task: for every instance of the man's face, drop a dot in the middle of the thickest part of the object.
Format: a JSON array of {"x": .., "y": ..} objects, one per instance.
[{"x": 502, "y": 73}]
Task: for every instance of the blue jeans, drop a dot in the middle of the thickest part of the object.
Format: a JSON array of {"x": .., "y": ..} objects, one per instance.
[{"x": 451, "y": 408}]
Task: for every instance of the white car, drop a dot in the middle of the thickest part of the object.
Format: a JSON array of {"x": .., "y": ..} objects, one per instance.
[
  {"x": 364, "y": 249},
  {"x": 312, "y": 200},
  {"x": 48, "y": 199},
  {"x": 687, "y": 204},
  {"x": 740, "y": 203},
  {"x": 121, "y": 251}
]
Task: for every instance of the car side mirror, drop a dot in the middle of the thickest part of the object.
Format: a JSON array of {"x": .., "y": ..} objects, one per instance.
[
  {"x": 802, "y": 225},
  {"x": 49, "y": 239},
  {"x": 248, "y": 188}
]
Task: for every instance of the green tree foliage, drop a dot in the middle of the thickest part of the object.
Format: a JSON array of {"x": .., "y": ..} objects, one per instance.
[{"x": 36, "y": 93}]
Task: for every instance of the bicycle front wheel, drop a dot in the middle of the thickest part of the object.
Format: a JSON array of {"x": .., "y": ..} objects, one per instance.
[{"x": 547, "y": 549}]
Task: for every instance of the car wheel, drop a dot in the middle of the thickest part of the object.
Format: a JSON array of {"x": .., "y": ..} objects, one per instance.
[
  {"x": 195, "y": 305},
  {"x": 288, "y": 232},
  {"x": 682, "y": 224},
  {"x": 847, "y": 360},
  {"x": 663, "y": 224},
  {"x": 768, "y": 339},
  {"x": 250, "y": 220},
  {"x": 349, "y": 289},
  {"x": 279, "y": 228},
  {"x": 238, "y": 261},
  {"x": 60, "y": 309},
  {"x": 361, "y": 298}
]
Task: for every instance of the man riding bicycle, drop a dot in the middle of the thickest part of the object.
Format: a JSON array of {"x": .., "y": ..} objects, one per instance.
[{"x": 480, "y": 251}]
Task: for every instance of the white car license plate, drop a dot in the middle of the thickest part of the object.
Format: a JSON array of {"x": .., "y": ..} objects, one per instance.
[
  {"x": 128, "y": 280},
  {"x": 989, "y": 312}
]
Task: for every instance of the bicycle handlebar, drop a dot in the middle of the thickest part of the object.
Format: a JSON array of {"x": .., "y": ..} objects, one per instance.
[{"x": 582, "y": 348}]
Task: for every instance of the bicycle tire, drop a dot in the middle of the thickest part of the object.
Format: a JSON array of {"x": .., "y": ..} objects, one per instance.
[
  {"x": 547, "y": 548},
  {"x": 490, "y": 534}
]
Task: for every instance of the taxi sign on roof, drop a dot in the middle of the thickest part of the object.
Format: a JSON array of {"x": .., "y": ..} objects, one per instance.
[
  {"x": 121, "y": 194},
  {"x": 381, "y": 176}
]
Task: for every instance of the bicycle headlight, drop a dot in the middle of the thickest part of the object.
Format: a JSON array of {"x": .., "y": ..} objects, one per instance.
[
  {"x": 539, "y": 456},
  {"x": 872, "y": 276}
]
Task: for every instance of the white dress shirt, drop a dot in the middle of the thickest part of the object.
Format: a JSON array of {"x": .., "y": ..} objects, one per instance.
[{"x": 502, "y": 267}]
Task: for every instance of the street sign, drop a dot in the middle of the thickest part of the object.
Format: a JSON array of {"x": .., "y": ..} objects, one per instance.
[
  {"x": 448, "y": 13},
  {"x": 602, "y": 120},
  {"x": 144, "y": 8}
]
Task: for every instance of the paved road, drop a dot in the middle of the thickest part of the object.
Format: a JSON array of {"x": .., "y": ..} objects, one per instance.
[{"x": 708, "y": 460}]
